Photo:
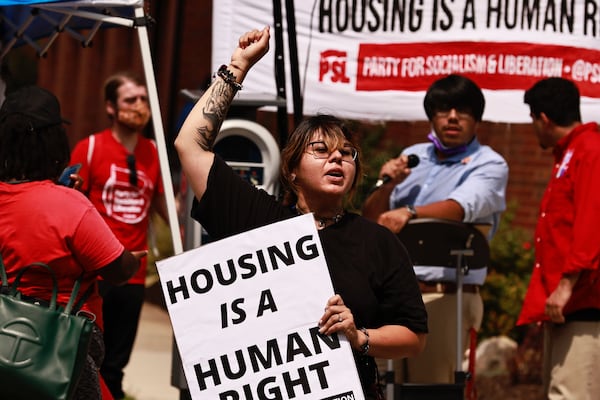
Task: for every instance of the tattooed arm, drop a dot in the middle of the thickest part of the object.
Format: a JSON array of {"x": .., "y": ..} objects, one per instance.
[{"x": 195, "y": 140}]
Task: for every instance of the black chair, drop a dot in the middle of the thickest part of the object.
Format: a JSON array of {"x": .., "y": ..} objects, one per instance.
[{"x": 444, "y": 243}]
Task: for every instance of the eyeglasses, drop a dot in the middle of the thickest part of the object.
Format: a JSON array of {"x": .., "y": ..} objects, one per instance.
[
  {"x": 460, "y": 114},
  {"x": 320, "y": 151},
  {"x": 133, "y": 178}
]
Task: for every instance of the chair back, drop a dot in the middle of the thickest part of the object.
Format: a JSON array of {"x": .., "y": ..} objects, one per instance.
[{"x": 431, "y": 241}]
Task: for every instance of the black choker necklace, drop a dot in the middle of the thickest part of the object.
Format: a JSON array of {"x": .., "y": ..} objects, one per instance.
[
  {"x": 334, "y": 220},
  {"x": 322, "y": 222}
]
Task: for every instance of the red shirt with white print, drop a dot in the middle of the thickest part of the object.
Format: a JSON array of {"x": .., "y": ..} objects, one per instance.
[{"x": 107, "y": 183}]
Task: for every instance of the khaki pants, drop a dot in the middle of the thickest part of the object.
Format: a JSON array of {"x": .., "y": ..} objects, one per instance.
[
  {"x": 572, "y": 360},
  {"x": 437, "y": 362}
]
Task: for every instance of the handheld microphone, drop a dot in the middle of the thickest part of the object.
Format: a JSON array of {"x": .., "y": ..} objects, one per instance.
[{"x": 413, "y": 161}]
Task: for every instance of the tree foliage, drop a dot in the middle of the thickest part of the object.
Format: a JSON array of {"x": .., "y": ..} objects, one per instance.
[{"x": 511, "y": 263}]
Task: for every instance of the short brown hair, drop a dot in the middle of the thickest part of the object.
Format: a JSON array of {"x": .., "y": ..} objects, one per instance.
[
  {"x": 115, "y": 81},
  {"x": 333, "y": 130}
]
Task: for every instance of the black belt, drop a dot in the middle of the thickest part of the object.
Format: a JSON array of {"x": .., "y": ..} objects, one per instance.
[
  {"x": 584, "y": 315},
  {"x": 446, "y": 287}
]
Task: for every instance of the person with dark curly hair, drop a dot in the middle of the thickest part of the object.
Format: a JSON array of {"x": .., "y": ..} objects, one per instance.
[{"x": 42, "y": 221}]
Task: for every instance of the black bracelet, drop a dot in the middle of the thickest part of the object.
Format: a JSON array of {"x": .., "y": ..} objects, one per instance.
[
  {"x": 228, "y": 77},
  {"x": 364, "y": 349}
]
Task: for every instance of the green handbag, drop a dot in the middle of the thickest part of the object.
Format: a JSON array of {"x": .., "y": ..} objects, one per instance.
[{"x": 43, "y": 349}]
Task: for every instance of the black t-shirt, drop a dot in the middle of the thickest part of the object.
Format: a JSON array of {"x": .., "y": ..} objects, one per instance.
[{"x": 369, "y": 267}]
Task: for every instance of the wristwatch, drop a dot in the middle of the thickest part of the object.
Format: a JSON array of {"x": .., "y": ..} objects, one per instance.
[{"x": 412, "y": 211}]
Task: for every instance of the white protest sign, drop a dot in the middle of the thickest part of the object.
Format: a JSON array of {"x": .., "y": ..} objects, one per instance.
[{"x": 245, "y": 311}]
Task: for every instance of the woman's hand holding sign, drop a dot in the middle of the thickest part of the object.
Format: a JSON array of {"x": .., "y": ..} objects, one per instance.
[{"x": 339, "y": 318}]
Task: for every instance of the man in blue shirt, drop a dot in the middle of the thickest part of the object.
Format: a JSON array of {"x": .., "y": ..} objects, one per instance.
[{"x": 456, "y": 179}]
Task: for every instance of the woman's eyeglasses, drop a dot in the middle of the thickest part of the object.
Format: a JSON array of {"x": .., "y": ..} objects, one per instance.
[
  {"x": 133, "y": 178},
  {"x": 319, "y": 150}
]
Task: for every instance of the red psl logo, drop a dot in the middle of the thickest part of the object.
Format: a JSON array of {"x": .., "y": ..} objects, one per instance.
[{"x": 333, "y": 66}]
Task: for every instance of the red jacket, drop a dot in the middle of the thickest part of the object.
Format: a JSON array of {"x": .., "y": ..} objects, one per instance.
[{"x": 567, "y": 238}]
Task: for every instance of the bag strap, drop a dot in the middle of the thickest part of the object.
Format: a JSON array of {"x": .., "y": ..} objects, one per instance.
[
  {"x": 83, "y": 297},
  {"x": 3, "y": 276},
  {"x": 90, "y": 152},
  {"x": 71, "y": 305},
  {"x": 74, "y": 292},
  {"x": 13, "y": 290}
]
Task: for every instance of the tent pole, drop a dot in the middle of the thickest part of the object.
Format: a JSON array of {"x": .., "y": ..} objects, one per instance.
[
  {"x": 159, "y": 133},
  {"x": 294, "y": 63},
  {"x": 282, "y": 116}
]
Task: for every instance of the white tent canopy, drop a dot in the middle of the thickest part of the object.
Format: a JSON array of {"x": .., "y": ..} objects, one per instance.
[{"x": 25, "y": 21}]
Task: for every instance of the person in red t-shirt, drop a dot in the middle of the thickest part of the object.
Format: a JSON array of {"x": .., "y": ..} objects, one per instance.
[
  {"x": 121, "y": 176},
  {"x": 41, "y": 221},
  {"x": 564, "y": 290}
]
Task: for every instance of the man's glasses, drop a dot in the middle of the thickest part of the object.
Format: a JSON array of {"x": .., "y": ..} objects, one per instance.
[
  {"x": 132, "y": 171},
  {"x": 460, "y": 114},
  {"x": 319, "y": 150}
]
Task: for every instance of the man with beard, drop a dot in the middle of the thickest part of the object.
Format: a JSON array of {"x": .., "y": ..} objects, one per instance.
[
  {"x": 456, "y": 179},
  {"x": 121, "y": 176}
]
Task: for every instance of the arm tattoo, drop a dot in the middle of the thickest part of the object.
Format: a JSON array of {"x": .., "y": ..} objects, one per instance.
[{"x": 214, "y": 113}]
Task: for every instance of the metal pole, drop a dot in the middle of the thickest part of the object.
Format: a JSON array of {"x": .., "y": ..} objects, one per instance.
[
  {"x": 282, "y": 122},
  {"x": 159, "y": 133},
  {"x": 390, "y": 380},
  {"x": 294, "y": 63},
  {"x": 459, "y": 376},
  {"x": 459, "y": 294}
]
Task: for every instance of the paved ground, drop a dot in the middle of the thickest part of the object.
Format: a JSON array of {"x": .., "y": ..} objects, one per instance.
[{"x": 148, "y": 375}]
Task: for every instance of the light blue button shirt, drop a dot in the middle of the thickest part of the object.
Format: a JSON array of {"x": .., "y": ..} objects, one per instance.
[{"x": 475, "y": 179}]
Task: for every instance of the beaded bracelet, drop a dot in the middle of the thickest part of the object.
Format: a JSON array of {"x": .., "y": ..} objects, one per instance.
[
  {"x": 364, "y": 349},
  {"x": 228, "y": 77}
]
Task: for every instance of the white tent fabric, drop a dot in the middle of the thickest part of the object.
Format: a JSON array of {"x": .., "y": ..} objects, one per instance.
[{"x": 130, "y": 14}]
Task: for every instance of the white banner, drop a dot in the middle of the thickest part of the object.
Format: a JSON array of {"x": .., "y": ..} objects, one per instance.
[
  {"x": 374, "y": 59},
  {"x": 245, "y": 310}
]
